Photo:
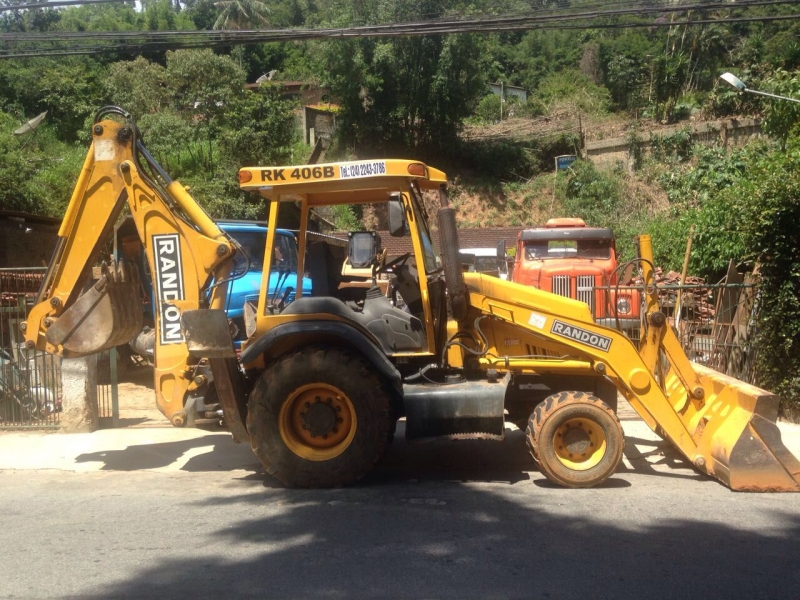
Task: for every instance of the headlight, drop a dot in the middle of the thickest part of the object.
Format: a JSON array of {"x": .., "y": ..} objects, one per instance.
[{"x": 623, "y": 305}]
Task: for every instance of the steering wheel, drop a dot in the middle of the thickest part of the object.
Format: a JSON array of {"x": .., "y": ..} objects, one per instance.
[{"x": 397, "y": 262}]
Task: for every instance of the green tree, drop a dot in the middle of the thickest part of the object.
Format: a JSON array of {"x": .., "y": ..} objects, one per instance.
[
  {"x": 405, "y": 93},
  {"x": 202, "y": 84},
  {"x": 623, "y": 77},
  {"x": 16, "y": 167},
  {"x": 258, "y": 128},
  {"x": 70, "y": 89},
  {"x": 782, "y": 118},
  {"x": 572, "y": 90},
  {"x": 241, "y": 14},
  {"x": 669, "y": 78},
  {"x": 769, "y": 209},
  {"x": 139, "y": 86}
]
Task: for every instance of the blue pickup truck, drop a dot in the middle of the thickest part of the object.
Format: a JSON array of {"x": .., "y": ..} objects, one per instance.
[
  {"x": 249, "y": 270},
  {"x": 247, "y": 275}
]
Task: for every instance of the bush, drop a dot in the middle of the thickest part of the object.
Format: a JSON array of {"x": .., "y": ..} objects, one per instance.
[
  {"x": 16, "y": 166},
  {"x": 673, "y": 147},
  {"x": 769, "y": 211},
  {"x": 489, "y": 108},
  {"x": 572, "y": 90},
  {"x": 747, "y": 206},
  {"x": 50, "y": 188}
]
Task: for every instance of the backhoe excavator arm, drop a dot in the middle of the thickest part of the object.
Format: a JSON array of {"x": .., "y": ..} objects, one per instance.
[{"x": 185, "y": 250}]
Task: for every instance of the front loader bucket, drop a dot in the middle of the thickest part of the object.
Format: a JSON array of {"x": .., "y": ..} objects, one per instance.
[
  {"x": 734, "y": 429},
  {"x": 108, "y": 314}
]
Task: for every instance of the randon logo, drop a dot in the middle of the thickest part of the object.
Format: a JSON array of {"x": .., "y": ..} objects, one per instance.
[
  {"x": 169, "y": 284},
  {"x": 582, "y": 336}
]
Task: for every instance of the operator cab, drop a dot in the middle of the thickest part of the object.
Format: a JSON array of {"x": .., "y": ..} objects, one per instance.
[{"x": 365, "y": 290}]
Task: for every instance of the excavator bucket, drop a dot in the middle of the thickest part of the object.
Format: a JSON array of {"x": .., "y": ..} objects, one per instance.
[
  {"x": 734, "y": 429},
  {"x": 108, "y": 314}
]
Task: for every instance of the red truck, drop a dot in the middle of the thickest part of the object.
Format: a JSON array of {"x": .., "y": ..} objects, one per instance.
[{"x": 568, "y": 258}]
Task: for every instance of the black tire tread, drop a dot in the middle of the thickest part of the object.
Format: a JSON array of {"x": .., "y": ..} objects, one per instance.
[
  {"x": 365, "y": 451},
  {"x": 545, "y": 410}
]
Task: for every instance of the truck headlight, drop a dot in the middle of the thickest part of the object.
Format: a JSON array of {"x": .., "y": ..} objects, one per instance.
[{"x": 623, "y": 305}]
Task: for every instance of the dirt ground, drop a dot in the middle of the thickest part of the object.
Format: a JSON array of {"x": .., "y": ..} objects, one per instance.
[{"x": 137, "y": 400}]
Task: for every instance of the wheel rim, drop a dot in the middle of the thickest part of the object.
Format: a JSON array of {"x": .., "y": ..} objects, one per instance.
[
  {"x": 580, "y": 444},
  {"x": 317, "y": 422}
]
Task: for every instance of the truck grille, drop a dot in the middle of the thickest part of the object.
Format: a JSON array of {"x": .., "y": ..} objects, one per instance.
[
  {"x": 586, "y": 290},
  {"x": 561, "y": 285}
]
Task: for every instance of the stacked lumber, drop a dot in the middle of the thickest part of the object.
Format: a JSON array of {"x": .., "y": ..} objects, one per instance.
[{"x": 697, "y": 302}]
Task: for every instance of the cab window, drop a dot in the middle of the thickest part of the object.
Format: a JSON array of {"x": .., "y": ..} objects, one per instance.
[
  {"x": 431, "y": 258},
  {"x": 590, "y": 249}
]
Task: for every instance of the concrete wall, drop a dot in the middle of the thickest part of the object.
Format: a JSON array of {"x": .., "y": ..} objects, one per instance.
[
  {"x": 79, "y": 395},
  {"x": 613, "y": 152}
]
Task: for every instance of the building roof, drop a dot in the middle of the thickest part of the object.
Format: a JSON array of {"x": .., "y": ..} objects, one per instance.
[
  {"x": 282, "y": 84},
  {"x": 13, "y": 215},
  {"x": 487, "y": 237},
  {"x": 468, "y": 237}
]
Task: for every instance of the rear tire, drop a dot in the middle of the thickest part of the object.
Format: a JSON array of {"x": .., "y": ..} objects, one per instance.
[
  {"x": 576, "y": 439},
  {"x": 320, "y": 417}
]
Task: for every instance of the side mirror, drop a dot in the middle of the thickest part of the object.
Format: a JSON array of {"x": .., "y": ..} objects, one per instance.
[
  {"x": 467, "y": 262},
  {"x": 501, "y": 251},
  {"x": 397, "y": 217},
  {"x": 502, "y": 257}
]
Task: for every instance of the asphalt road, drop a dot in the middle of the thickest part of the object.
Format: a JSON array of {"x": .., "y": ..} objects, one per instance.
[{"x": 464, "y": 519}]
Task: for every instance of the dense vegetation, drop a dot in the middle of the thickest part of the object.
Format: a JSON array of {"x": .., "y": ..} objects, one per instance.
[{"x": 413, "y": 96}]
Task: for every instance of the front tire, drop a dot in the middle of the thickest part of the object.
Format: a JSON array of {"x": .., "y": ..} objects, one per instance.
[
  {"x": 576, "y": 439},
  {"x": 320, "y": 417}
]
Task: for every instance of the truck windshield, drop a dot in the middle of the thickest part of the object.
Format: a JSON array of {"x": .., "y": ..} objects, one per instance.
[
  {"x": 486, "y": 263},
  {"x": 543, "y": 249},
  {"x": 254, "y": 243}
]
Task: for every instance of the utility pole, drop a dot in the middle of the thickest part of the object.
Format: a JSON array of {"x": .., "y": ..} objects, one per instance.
[{"x": 502, "y": 99}]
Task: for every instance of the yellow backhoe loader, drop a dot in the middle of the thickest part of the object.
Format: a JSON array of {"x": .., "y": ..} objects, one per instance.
[{"x": 321, "y": 381}]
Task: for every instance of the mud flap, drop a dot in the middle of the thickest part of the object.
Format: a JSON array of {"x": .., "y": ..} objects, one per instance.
[
  {"x": 207, "y": 333},
  {"x": 108, "y": 314}
]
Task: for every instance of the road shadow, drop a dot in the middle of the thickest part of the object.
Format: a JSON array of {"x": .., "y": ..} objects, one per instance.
[
  {"x": 454, "y": 540},
  {"x": 219, "y": 453},
  {"x": 459, "y": 460},
  {"x": 122, "y": 422},
  {"x": 657, "y": 453}
]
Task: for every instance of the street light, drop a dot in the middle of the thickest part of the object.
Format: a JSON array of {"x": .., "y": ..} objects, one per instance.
[{"x": 737, "y": 83}]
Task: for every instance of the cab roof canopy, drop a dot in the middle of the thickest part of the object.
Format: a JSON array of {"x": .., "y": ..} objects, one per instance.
[
  {"x": 349, "y": 182},
  {"x": 567, "y": 233}
]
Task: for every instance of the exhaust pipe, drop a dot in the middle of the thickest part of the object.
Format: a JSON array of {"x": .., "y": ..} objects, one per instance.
[{"x": 448, "y": 239}]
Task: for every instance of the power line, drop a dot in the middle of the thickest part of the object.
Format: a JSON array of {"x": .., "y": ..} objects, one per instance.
[
  {"x": 58, "y": 3},
  {"x": 83, "y": 43}
]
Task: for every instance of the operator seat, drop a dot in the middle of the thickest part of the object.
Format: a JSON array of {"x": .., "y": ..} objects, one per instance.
[{"x": 393, "y": 329}]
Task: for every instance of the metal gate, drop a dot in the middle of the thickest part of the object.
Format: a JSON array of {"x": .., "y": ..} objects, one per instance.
[
  {"x": 107, "y": 392},
  {"x": 716, "y": 323},
  {"x": 30, "y": 380}
]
